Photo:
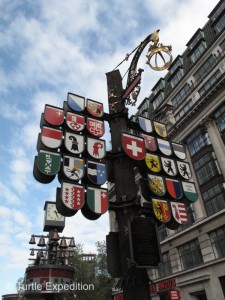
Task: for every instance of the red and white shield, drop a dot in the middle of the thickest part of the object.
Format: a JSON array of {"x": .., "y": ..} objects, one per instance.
[
  {"x": 150, "y": 142},
  {"x": 96, "y": 148},
  {"x": 72, "y": 195},
  {"x": 95, "y": 108},
  {"x": 179, "y": 212},
  {"x": 53, "y": 115},
  {"x": 75, "y": 121},
  {"x": 134, "y": 146},
  {"x": 95, "y": 127}
]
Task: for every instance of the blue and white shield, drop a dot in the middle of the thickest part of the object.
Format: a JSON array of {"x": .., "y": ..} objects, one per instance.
[
  {"x": 96, "y": 172},
  {"x": 145, "y": 124},
  {"x": 75, "y": 102},
  {"x": 164, "y": 147}
]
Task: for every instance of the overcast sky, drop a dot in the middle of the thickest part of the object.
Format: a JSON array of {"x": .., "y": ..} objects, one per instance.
[{"x": 47, "y": 49}]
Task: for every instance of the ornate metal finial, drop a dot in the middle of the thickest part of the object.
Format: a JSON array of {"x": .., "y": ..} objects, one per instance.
[{"x": 157, "y": 49}]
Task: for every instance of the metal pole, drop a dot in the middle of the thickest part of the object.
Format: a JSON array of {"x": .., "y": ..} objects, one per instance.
[{"x": 134, "y": 281}]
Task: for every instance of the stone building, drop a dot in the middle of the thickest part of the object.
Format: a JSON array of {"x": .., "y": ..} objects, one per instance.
[{"x": 190, "y": 99}]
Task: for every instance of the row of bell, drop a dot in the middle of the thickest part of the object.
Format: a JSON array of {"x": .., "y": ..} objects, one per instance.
[
  {"x": 55, "y": 238},
  {"x": 63, "y": 254}
]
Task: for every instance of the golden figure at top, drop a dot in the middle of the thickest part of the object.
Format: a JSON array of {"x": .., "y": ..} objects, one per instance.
[
  {"x": 155, "y": 38},
  {"x": 158, "y": 50}
]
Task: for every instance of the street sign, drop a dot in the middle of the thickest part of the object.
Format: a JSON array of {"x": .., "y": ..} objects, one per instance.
[{"x": 133, "y": 146}]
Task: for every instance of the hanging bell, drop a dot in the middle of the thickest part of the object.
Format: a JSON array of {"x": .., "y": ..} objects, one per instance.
[
  {"x": 62, "y": 255},
  {"x": 55, "y": 236},
  {"x": 72, "y": 243},
  {"x": 63, "y": 243},
  {"x": 54, "y": 248},
  {"x": 32, "y": 240},
  {"x": 41, "y": 242},
  {"x": 32, "y": 252}
]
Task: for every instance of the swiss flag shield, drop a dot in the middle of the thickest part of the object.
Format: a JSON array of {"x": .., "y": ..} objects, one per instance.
[{"x": 134, "y": 146}]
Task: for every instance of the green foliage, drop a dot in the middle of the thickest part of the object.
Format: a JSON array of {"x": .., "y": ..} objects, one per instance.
[{"x": 94, "y": 274}]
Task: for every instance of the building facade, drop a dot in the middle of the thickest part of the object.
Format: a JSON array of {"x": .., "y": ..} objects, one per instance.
[{"x": 190, "y": 100}]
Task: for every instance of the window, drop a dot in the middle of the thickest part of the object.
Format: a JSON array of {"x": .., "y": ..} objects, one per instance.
[
  {"x": 206, "y": 168},
  {"x": 198, "y": 52},
  {"x": 197, "y": 38},
  {"x": 215, "y": 15},
  {"x": 210, "y": 82},
  {"x": 159, "y": 86},
  {"x": 197, "y": 141},
  {"x": 158, "y": 100},
  {"x": 183, "y": 93},
  {"x": 217, "y": 238},
  {"x": 205, "y": 68},
  {"x": 214, "y": 199},
  {"x": 219, "y": 26},
  {"x": 177, "y": 62},
  {"x": 222, "y": 45},
  {"x": 165, "y": 266},
  {"x": 220, "y": 118},
  {"x": 162, "y": 233},
  {"x": 176, "y": 78},
  {"x": 190, "y": 255},
  {"x": 184, "y": 110}
]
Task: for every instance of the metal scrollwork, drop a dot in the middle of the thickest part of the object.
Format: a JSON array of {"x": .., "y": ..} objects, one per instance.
[{"x": 156, "y": 51}]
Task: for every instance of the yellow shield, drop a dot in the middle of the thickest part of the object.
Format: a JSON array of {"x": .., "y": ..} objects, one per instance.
[
  {"x": 160, "y": 129},
  {"x": 153, "y": 162}
]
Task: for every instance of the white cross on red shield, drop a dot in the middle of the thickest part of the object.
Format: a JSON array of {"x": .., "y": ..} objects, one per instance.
[{"x": 134, "y": 146}]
